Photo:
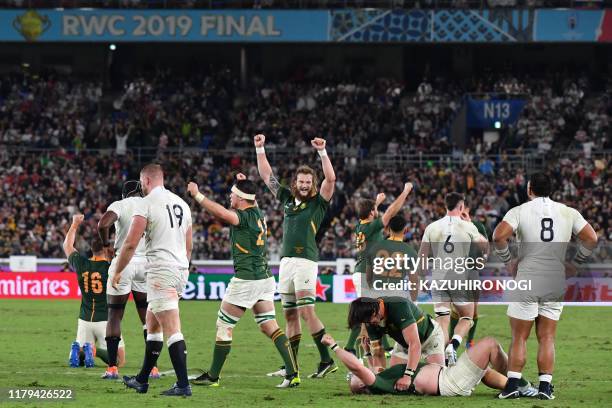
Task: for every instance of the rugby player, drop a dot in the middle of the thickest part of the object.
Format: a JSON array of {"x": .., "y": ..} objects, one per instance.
[
  {"x": 92, "y": 276},
  {"x": 252, "y": 286},
  {"x": 166, "y": 218},
  {"x": 120, "y": 214},
  {"x": 369, "y": 230},
  {"x": 450, "y": 238},
  {"x": 543, "y": 227},
  {"x": 304, "y": 209}
]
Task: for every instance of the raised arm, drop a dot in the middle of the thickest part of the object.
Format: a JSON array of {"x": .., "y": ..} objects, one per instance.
[
  {"x": 350, "y": 361},
  {"x": 77, "y": 219},
  {"x": 217, "y": 210},
  {"x": 263, "y": 166},
  {"x": 137, "y": 229},
  {"x": 397, "y": 204},
  {"x": 329, "y": 182},
  {"x": 104, "y": 225}
]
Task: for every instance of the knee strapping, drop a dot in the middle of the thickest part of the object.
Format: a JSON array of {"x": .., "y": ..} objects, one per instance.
[
  {"x": 467, "y": 318},
  {"x": 261, "y": 318},
  {"x": 225, "y": 325},
  {"x": 288, "y": 301},
  {"x": 155, "y": 337},
  {"x": 442, "y": 312},
  {"x": 306, "y": 301}
]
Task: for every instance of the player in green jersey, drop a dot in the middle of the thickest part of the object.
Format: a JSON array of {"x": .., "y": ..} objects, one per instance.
[
  {"x": 369, "y": 230},
  {"x": 92, "y": 275},
  {"x": 304, "y": 209},
  {"x": 484, "y": 362},
  {"x": 252, "y": 286},
  {"x": 416, "y": 333}
]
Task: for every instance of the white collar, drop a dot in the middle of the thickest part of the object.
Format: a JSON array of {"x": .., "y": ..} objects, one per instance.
[{"x": 157, "y": 189}]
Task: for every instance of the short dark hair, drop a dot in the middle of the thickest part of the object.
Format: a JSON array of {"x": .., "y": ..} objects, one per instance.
[
  {"x": 361, "y": 311},
  {"x": 364, "y": 208},
  {"x": 540, "y": 184},
  {"x": 96, "y": 245},
  {"x": 248, "y": 187},
  {"x": 452, "y": 200},
  {"x": 397, "y": 223}
]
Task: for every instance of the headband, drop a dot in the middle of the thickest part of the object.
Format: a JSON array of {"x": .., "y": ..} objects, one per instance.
[{"x": 241, "y": 194}]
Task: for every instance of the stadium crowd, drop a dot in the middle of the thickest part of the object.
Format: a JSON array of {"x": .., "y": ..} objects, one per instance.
[{"x": 213, "y": 114}]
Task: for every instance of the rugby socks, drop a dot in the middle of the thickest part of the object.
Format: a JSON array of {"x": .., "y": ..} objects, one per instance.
[
  {"x": 112, "y": 344},
  {"x": 222, "y": 349},
  {"x": 144, "y": 332},
  {"x": 103, "y": 355},
  {"x": 155, "y": 343},
  {"x": 323, "y": 350},
  {"x": 294, "y": 341},
  {"x": 350, "y": 343},
  {"x": 545, "y": 380},
  {"x": 178, "y": 356},
  {"x": 453, "y": 321},
  {"x": 284, "y": 349},
  {"x": 456, "y": 341},
  {"x": 472, "y": 331},
  {"x": 513, "y": 381}
]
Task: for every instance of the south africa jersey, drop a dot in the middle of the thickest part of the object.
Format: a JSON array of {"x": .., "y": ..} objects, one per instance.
[
  {"x": 366, "y": 232},
  {"x": 300, "y": 225},
  {"x": 386, "y": 379},
  {"x": 249, "y": 245},
  {"x": 399, "y": 313},
  {"x": 390, "y": 248},
  {"x": 92, "y": 275},
  {"x": 125, "y": 210}
]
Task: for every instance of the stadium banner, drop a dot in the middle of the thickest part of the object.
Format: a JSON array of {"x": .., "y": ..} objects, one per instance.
[
  {"x": 342, "y": 25},
  {"x": 163, "y": 25},
  {"x": 483, "y": 113}
]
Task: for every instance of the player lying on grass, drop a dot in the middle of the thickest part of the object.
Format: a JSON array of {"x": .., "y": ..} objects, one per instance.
[
  {"x": 92, "y": 276},
  {"x": 252, "y": 286},
  {"x": 430, "y": 379},
  {"x": 417, "y": 334}
]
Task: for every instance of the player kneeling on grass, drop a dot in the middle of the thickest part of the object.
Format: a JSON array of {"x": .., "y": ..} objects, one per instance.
[
  {"x": 252, "y": 286},
  {"x": 417, "y": 334},
  {"x": 484, "y": 361},
  {"x": 92, "y": 275}
]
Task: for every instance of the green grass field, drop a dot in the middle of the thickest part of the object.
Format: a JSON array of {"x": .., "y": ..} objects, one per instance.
[{"x": 36, "y": 337}]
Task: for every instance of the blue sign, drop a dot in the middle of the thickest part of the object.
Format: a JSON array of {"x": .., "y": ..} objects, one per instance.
[
  {"x": 484, "y": 113},
  {"x": 163, "y": 25},
  {"x": 568, "y": 25}
]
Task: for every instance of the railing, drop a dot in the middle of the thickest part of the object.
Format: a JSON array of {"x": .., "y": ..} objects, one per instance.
[
  {"x": 299, "y": 4},
  {"x": 525, "y": 161}
]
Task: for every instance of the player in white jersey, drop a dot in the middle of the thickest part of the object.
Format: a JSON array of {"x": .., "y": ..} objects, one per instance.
[
  {"x": 166, "y": 218},
  {"x": 449, "y": 240},
  {"x": 119, "y": 214},
  {"x": 543, "y": 229}
]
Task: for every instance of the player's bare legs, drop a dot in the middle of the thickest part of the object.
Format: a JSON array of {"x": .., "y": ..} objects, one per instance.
[
  {"x": 116, "y": 308},
  {"x": 546, "y": 331},
  {"x": 516, "y": 356},
  {"x": 442, "y": 311}
]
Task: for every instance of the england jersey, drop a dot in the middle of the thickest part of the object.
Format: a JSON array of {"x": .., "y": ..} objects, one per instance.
[
  {"x": 168, "y": 218},
  {"x": 125, "y": 210},
  {"x": 543, "y": 228},
  {"x": 450, "y": 238}
]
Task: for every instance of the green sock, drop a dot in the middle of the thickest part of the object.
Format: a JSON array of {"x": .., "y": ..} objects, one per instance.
[
  {"x": 323, "y": 350},
  {"x": 222, "y": 349},
  {"x": 284, "y": 349},
  {"x": 294, "y": 341},
  {"x": 350, "y": 343},
  {"x": 385, "y": 343},
  {"x": 102, "y": 355},
  {"x": 453, "y": 323},
  {"x": 472, "y": 331}
]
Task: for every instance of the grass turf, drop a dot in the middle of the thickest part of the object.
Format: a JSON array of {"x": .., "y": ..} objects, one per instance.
[{"x": 36, "y": 337}]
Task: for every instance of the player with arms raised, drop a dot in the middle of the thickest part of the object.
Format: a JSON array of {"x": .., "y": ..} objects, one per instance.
[
  {"x": 92, "y": 276},
  {"x": 543, "y": 228},
  {"x": 166, "y": 218},
  {"x": 120, "y": 214},
  {"x": 304, "y": 209},
  {"x": 369, "y": 230},
  {"x": 252, "y": 286}
]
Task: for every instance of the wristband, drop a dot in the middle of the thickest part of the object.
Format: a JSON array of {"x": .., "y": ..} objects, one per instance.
[
  {"x": 199, "y": 197},
  {"x": 334, "y": 347},
  {"x": 504, "y": 254},
  {"x": 322, "y": 153},
  {"x": 582, "y": 255},
  {"x": 409, "y": 372},
  {"x": 260, "y": 150}
]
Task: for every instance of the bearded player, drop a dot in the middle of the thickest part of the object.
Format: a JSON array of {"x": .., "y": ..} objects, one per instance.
[
  {"x": 304, "y": 209},
  {"x": 252, "y": 286}
]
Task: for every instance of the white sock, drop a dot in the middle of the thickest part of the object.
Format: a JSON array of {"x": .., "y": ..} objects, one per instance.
[
  {"x": 514, "y": 374},
  {"x": 546, "y": 378}
]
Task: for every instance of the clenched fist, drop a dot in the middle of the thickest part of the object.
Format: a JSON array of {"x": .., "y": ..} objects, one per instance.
[
  {"x": 77, "y": 219},
  {"x": 193, "y": 189},
  {"x": 318, "y": 143},
  {"x": 408, "y": 187},
  {"x": 259, "y": 140}
]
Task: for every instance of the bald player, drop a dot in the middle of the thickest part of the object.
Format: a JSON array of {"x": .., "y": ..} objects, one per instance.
[{"x": 166, "y": 218}]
